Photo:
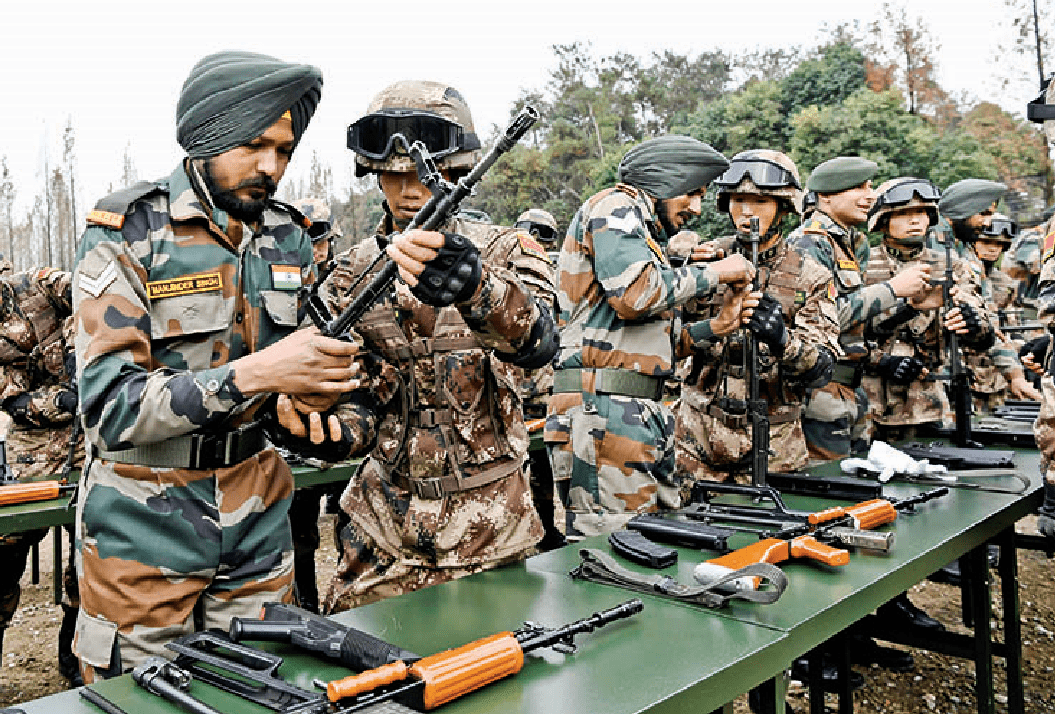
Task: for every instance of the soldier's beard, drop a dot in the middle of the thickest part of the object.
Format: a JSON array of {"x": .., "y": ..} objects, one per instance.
[{"x": 226, "y": 200}]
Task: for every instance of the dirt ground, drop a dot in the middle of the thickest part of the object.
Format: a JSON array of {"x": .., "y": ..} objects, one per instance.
[{"x": 939, "y": 684}]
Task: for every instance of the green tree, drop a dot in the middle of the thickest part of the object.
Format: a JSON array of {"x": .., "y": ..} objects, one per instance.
[{"x": 837, "y": 72}]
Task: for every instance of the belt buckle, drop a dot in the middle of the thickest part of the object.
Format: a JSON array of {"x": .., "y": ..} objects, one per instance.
[{"x": 428, "y": 488}]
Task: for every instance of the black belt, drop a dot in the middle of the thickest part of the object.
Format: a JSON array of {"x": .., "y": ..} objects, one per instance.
[{"x": 195, "y": 451}]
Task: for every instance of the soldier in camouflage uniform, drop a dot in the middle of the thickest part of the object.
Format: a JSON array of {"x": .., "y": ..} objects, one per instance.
[
  {"x": 712, "y": 437},
  {"x": 609, "y": 436},
  {"x": 1022, "y": 263},
  {"x": 909, "y": 346},
  {"x": 1042, "y": 110},
  {"x": 38, "y": 393},
  {"x": 324, "y": 232},
  {"x": 834, "y": 420},
  {"x": 446, "y": 491},
  {"x": 997, "y": 371},
  {"x": 965, "y": 210},
  {"x": 187, "y": 303}
]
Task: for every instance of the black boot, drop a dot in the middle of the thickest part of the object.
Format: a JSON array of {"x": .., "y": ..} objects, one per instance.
[
  {"x": 901, "y": 612},
  {"x": 800, "y": 670},
  {"x": 865, "y": 650},
  {"x": 69, "y": 665},
  {"x": 1046, "y": 522}
]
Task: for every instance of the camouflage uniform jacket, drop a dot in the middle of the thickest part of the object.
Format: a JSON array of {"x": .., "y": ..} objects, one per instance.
[
  {"x": 617, "y": 294},
  {"x": 445, "y": 486},
  {"x": 1044, "y": 426},
  {"x": 1022, "y": 262},
  {"x": 166, "y": 296},
  {"x": 923, "y": 400},
  {"x": 801, "y": 285},
  {"x": 35, "y": 341},
  {"x": 845, "y": 254},
  {"x": 991, "y": 368}
]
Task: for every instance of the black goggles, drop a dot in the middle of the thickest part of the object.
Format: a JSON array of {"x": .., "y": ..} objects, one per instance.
[
  {"x": 544, "y": 232},
  {"x": 1001, "y": 226},
  {"x": 902, "y": 193},
  {"x": 377, "y": 135},
  {"x": 763, "y": 173},
  {"x": 318, "y": 229}
]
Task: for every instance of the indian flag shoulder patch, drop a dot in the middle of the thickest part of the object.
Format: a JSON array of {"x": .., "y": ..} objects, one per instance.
[{"x": 285, "y": 277}]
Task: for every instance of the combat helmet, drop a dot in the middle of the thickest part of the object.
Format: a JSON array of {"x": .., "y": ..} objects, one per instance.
[
  {"x": 901, "y": 193},
  {"x": 317, "y": 211},
  {"x": 432, "y": 112},
  {"x": 1001, "y": 229},
  {"x": 539, "y": 223},
  {"x": 763, "y": 172}
]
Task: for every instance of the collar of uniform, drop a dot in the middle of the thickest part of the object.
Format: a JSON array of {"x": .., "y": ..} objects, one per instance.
[
  {"x": 188, "y": 201},
  {"x": 903, "y": 254},
  {"x": 831, "y": 225},
  {"x": 768, "y": 257}
]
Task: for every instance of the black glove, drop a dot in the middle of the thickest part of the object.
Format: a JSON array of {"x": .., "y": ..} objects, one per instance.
[
  {"x": 1037, "y": 347},
  {"x": 66, "y": 400},
  {"x": 972, "y": 318},
  {"x": 900, "y": 370},
  {"x": 18, "y": 407},
  {"x": 453, "y": 275},
  {"x": 767, "y": 325}
]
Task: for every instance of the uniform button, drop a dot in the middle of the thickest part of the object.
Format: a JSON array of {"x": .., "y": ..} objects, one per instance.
[
  {"x": 212, "y": 386},
  {"x": 238, "y": 318}
]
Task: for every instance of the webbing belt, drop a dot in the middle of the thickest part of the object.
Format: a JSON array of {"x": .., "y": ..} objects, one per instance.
[
  {"x": 194, "y": 451},
  {"x": 609, "y": 381},
  {"x": 599, "y": 567}
]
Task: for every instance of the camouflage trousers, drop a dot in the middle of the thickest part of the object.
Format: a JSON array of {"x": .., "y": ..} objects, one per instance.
[
  {"x": 835, "y": 422},
  {"x": 893, "y": 405},
  {"x": 14, "y": 553},
  {"x": 614, "y": 457},
  {"x": 157, "y": 543},
  {"x": 706, "y": 449},
  {"x": 1044, "y": 428}
]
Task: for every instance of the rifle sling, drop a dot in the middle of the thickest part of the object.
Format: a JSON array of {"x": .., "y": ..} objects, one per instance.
[{"x": 599, "y": 567}]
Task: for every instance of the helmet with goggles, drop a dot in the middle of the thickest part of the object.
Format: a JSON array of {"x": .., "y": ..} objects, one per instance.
[
  {"x": 900, "y": 194},
  {"x": 1001, "y": 229},
  {"x": 539, "y": 223},
  {"x": 317, "y": 211},
  {"x": 762, "y": 172},
  {"x": 408, "y": 111}
]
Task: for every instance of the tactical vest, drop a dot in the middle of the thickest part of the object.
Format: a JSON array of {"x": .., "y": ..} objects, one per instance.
[
  {"x": 39, "y": 345},
  {"x": 922, "y": 336}
]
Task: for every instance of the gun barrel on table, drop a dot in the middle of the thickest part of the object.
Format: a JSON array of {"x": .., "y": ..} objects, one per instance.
[{"x": 437, "y": 679}]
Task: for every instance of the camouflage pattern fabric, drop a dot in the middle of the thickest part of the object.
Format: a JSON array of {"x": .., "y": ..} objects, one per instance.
[
  {"x": 453, "y": 426},
  {"x": 713, "y": 444},
  {"x": 36, "y": 329},
  {"x": 924, "y": 400},
  {"x": 942, "y": 232},
  {"x": 834, "y": 420},
  {"x": 619, "y": 302},
  {"x": 1044, "y": 426},
  {"x": 1022, "y": 261},
  {"x": 162, "y": 306}
]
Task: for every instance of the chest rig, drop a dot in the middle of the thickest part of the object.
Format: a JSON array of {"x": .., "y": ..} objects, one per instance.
[
  {"x": 32, "y": 331},
  {"x": 921, "y": 336}
]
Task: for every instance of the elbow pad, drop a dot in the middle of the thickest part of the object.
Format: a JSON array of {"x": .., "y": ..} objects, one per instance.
[
  {"x": 540, "y": 347},
  {"x": 820, "y": 373}
]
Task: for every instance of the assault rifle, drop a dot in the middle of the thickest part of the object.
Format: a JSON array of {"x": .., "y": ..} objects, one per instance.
[
  {"x": 7, "y": 475},
  {"x": 444, "y": 203},
  {"x": 959, "y": 379},
  {"x": 757, "y": 406}
]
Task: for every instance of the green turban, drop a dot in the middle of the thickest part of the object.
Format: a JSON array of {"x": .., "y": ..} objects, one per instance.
[
  {"x": 671, "y": 165},
  {"x": 232, "y": 97},
  {"x": 965, "y": 198}
]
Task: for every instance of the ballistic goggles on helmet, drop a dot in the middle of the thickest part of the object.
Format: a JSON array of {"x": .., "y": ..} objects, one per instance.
[
  {"x": 1001, "y": 227},
  {"x": 544, "y": 232},
  {"x": 763, "y": 173},
  {"x": 902, "y": 193},
  {"x": 377, "y": 135},
  {"x": 318, "y": 230}
]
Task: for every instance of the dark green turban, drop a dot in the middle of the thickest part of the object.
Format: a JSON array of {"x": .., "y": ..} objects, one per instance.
[
  {"x": 232, "y": 97},
  {"x": 965, "y": 198},
  {"x": 841, "y": 174},
  {"x": 671, "y": 165}
]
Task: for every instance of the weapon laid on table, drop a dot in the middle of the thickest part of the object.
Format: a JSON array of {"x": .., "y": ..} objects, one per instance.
[
  {"x": 437, "y": 679},
  {"x": 170, "y": 682},
  {"x": 757, "y": 406},
  {"x": 1024, "y": 327},
  {"x": 702, "y": 508},
  {"x": 353, "y": 648},
  {"x": 7, "y": 475},
  {"x": 33, "y": 491},
  {"x": 953, "y": 457},
  {"x": 444, "y": 203}
]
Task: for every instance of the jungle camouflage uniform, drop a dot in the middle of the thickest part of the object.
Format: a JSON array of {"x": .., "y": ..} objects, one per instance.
[
  {"x": 611, "y": 444},
  {"x": 1022, "y": 262},
  {"x": 1044, "y": 426},
  {"x": 834, "y": 420},
  {"x": 167, "y": 293},
  {"x": 445, "y": 492},
  {"x": 711, "y": 442},
  {"x": 924, "y": 400},
  {"x": 36, "y": 346}
]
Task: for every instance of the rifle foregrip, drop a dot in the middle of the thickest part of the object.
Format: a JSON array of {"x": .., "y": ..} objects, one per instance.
[
  {"x": 872, "y": 514},
  {"x": 29, "y": 492},
  {"x": 366, "y": 681},
  {"x": 828, "y": 514},
  {"x": 244, "y": 628},
  {"x": 448, "y": 675},
  {"x": 809, "y": 547}
]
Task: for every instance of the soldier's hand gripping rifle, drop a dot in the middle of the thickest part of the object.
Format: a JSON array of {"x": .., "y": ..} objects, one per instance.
[
  {"x": 959, "y": 380},
  {"x": 757, "y": 406},
  {"x": 440, "y": 678},
  {"x": 444, "y": 203}
]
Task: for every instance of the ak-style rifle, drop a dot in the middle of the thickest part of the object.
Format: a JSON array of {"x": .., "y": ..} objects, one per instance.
[{"x": 757, "y": 405}]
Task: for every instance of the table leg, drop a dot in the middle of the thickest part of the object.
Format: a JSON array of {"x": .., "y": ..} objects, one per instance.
[
  {"x": 56, "y": 573},
  {"x": 978, "y": 573},
  {"x": 1008, "y": 569}
]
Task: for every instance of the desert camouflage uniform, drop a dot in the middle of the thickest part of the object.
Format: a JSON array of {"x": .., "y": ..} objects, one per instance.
[
  {"x": 167, "y": 293},
  {"x": 35, "y": 343},
  {"x": 1044, "y": 426},
  {"x": 445, "y": 492},
  {"x": 924, "y": 400},
  {"x": 619, "y": 304},
  {"x": 834, "y": 420},
  {"x": 710, "y": 442}
]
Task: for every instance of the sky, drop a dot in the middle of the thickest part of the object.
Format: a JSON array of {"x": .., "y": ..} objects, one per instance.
[{"x": 115, "y": 68}]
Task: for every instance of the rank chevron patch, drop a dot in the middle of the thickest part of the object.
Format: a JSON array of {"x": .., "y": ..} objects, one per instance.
[{"x": 95, "y": 286}]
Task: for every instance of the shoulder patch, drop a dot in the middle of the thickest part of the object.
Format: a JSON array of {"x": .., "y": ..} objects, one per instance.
[
  {"x": 833, "y": 292},
  {"x": 627, "y": 189},
  {"x": 531, "y": 246},
  {"x": 1049, "y": 243},
  {"x": 95, "y": 286},
  {"x": 654, "y": 247},
  {"x": 847, "y": 265},
  {"x": 106, "y": 219},
  {"x": 815, "y": 227},
  {"x": 43, "y": 274}
]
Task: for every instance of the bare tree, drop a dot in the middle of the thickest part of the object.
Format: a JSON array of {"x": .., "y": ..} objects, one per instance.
[
  {"x": 904, "y": 51},
  {"x": 7, "y": 205},
  {"x": 69, "y": 159},
  {"x": 129, "y": 173}
]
